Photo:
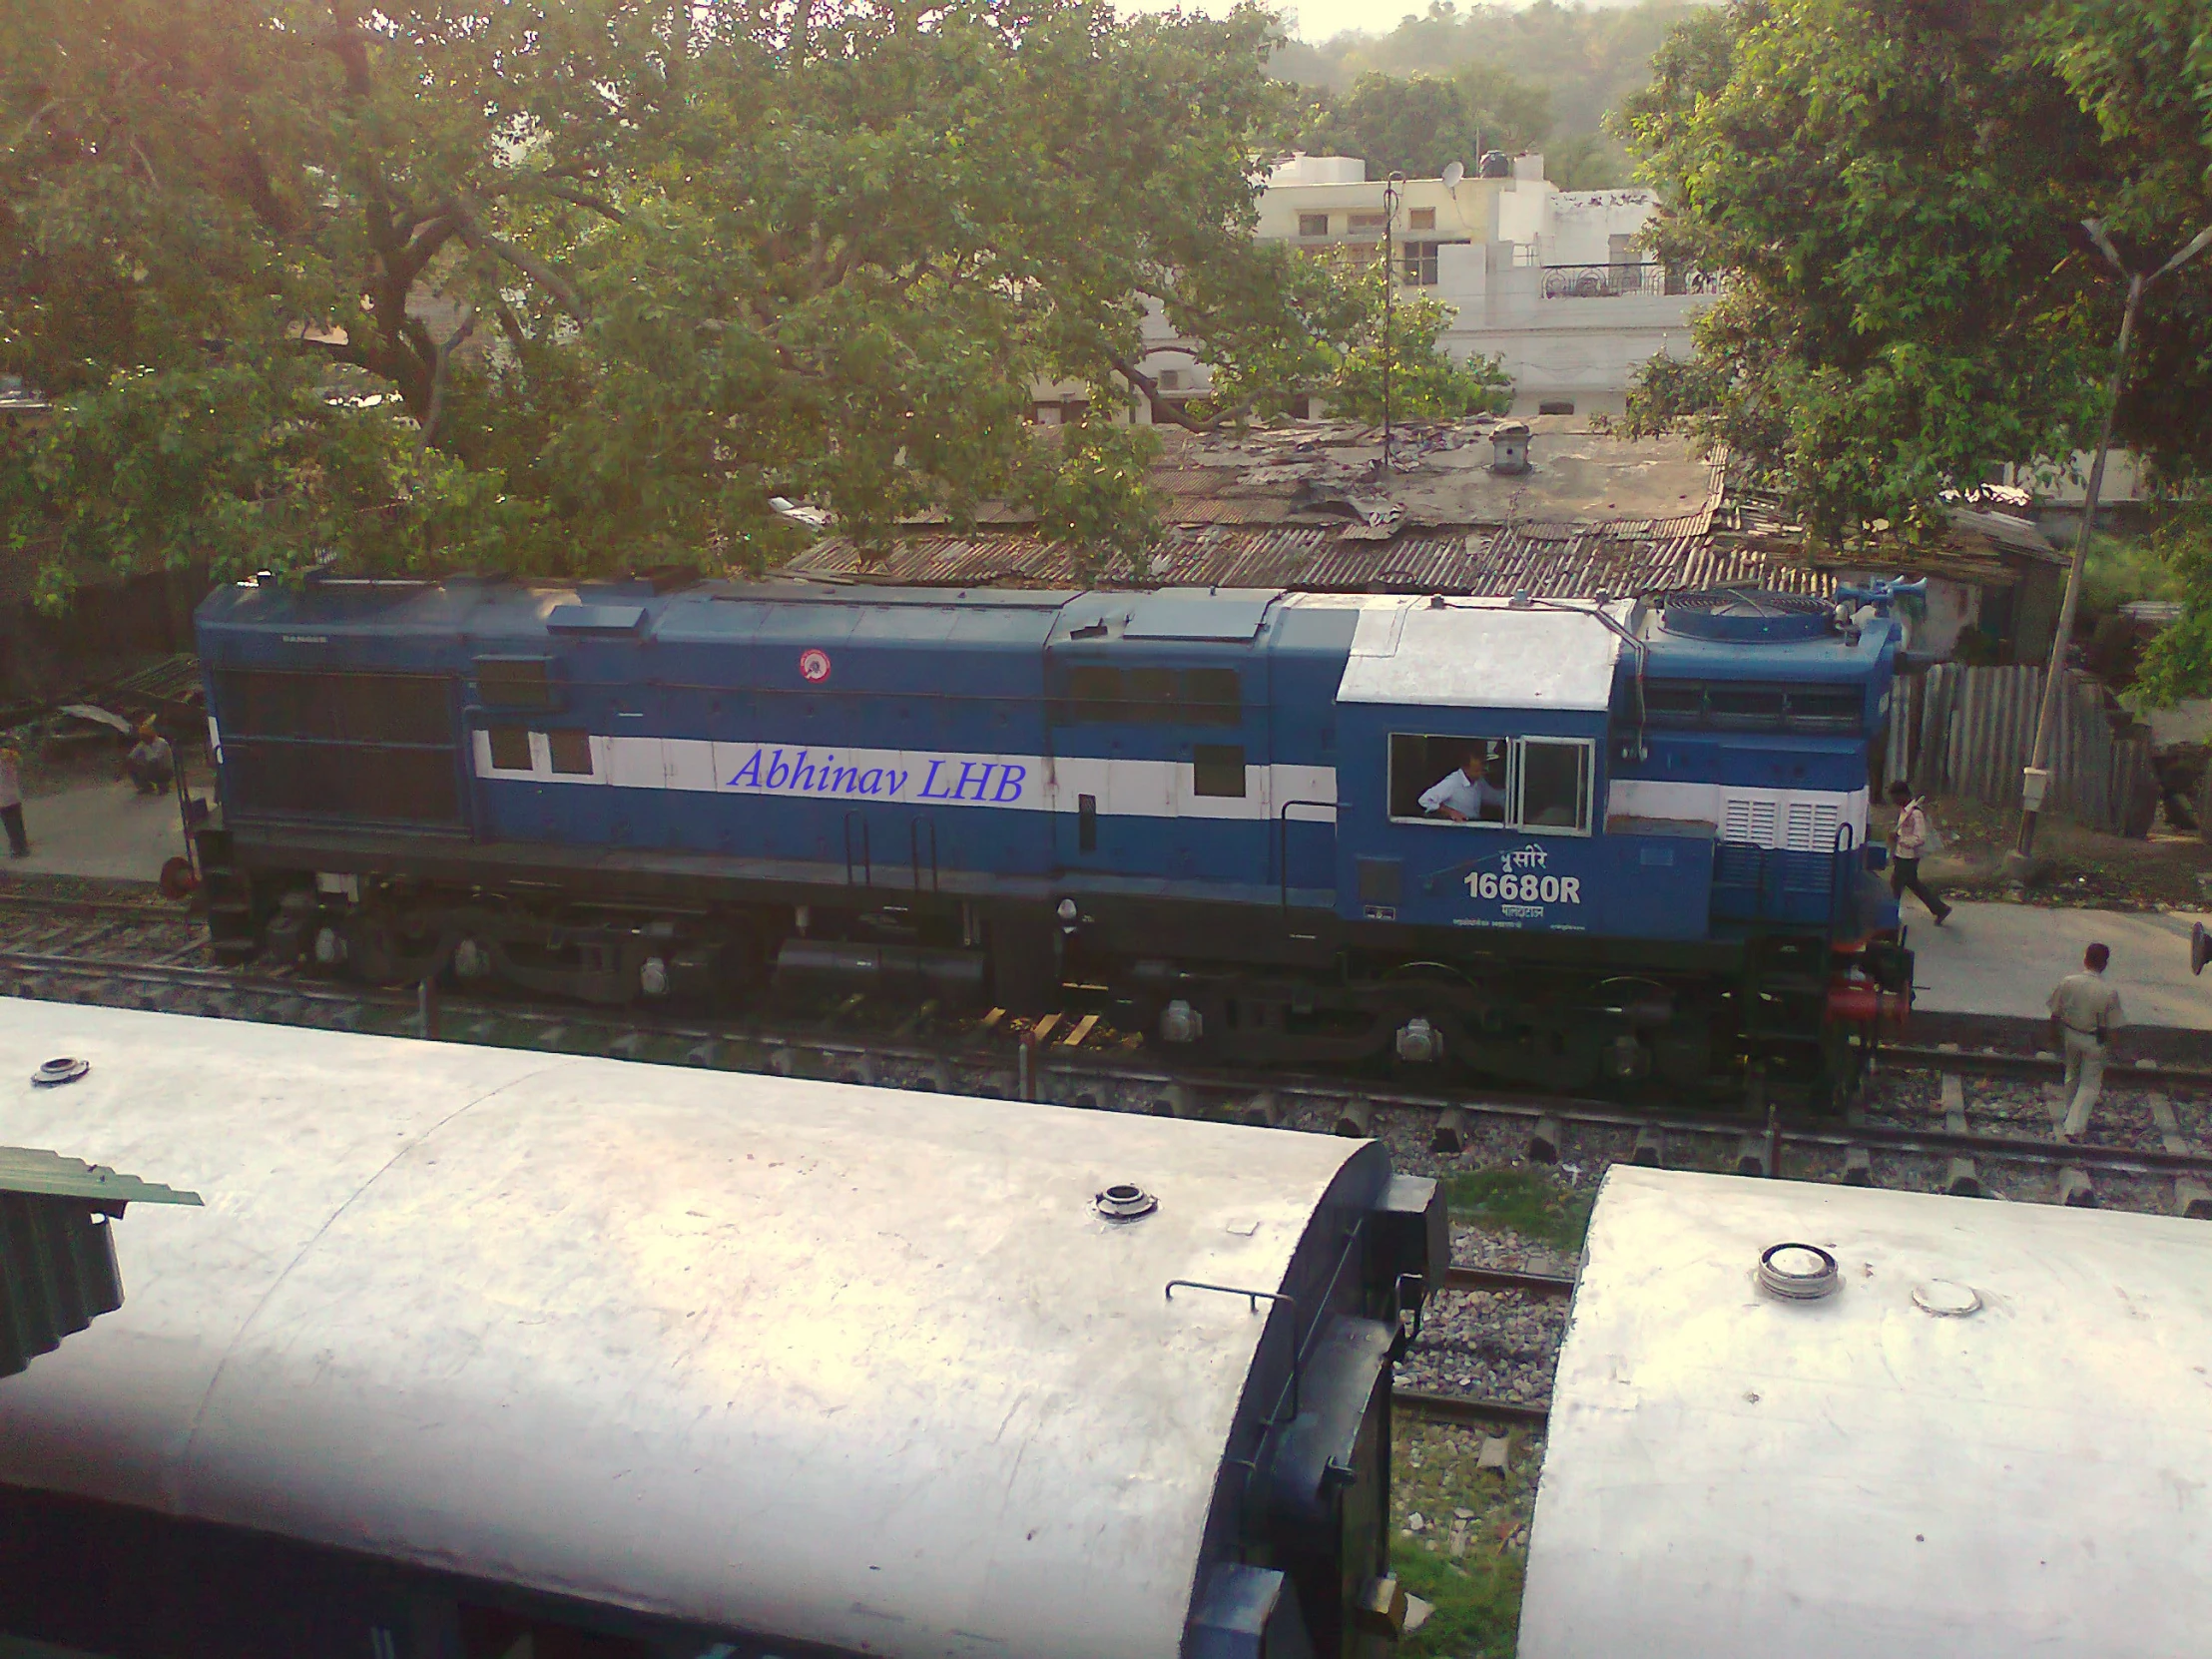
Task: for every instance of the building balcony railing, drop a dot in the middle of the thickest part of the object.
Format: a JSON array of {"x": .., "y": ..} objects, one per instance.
[{"x": 1610, "y": 281}]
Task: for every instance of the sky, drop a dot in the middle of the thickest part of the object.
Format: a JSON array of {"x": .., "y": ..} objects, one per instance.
[{"x": 1317, "y": 19}]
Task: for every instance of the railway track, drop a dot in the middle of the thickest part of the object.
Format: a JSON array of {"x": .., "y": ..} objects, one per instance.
[
  {"x": 979, "y": 1060},
  {"x": 1990, "y": 1062},
  {"x": 103, "y": 926},
  {"x": 138, "y": 951}
]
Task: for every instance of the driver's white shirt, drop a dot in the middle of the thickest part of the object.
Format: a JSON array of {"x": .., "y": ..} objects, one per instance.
[{"x": 1463, "y": 793}]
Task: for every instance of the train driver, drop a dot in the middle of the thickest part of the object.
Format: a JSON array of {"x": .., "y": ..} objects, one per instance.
[{"x": 1474, "y": 792}]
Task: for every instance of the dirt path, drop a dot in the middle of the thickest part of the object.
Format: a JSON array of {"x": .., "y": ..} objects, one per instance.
[{"x": 2168, "y": 872}]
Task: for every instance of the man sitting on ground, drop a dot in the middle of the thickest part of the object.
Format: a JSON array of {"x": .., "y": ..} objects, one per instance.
[{"x": 151, "y": 763}]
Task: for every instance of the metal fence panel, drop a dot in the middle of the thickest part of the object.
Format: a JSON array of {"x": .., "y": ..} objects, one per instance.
[{"x": 1969, "y": 731}]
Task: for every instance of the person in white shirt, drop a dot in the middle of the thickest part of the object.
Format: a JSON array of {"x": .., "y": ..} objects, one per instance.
[
  {"x": 152, "y": 763},
  {"x": 1907, "y": 843},
  {"x": 1465, "y": 794}
]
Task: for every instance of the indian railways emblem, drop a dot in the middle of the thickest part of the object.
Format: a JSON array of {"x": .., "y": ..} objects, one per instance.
[{"x": 814, "y": 665}]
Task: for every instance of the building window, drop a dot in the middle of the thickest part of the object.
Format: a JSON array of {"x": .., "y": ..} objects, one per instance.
[
  {"x": 1421, "y": 263},
  {"x": 1368, "y": 221},
  {"x": 1171, "y": 379},
  {"x": 1424, "y": 218},
  {"x": 1313, "y": 224}
]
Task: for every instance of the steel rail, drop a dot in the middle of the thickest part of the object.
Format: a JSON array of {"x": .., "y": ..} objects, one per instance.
[
  {"x": 1078, "y": 1072},
  {"x": 161, "y": 909},
  {"x": 1467, "y": 1409},
  {"x": 1496, "y": 1278},
  {"x": 1999, "y": 1063}
]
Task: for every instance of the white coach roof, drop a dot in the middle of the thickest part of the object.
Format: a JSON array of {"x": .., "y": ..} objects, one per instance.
[
  {"x": 818, "y": 1360},
  {"x": 1483, "y": 654},
  {"x": 1879, "y": 1474}
]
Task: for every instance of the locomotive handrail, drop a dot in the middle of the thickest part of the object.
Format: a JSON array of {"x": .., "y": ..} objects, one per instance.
[
  {"x": 867, "y": 867},
  {"x": 1283, "y": 843},
  {"x": 914, "y": 828},
  {"x": 1841, "y": 844}
]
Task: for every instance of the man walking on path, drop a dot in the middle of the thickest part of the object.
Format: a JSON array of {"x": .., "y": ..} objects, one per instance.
[
  {"x": 11, "y": 801},
  {"x": 1907, "y": 842},
  {"x": 2085, "y": 1010}
]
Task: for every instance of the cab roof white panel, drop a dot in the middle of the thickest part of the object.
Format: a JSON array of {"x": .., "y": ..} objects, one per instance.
[
  {"x": 1483, "y": 654},
  {"x": 1730, "y": 1475},
  {"x": 822, "y": 1362}
]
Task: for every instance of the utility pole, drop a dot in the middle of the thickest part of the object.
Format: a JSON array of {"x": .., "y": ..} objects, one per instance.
[
  {"x": 2020, "y": 863},
  {"x": 1390, "y": 299}
]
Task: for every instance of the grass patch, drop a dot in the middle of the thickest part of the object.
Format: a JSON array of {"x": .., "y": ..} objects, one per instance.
[
  {"x": 1477, "y": 1604},
  {"x": 1521, "y": 1201}
]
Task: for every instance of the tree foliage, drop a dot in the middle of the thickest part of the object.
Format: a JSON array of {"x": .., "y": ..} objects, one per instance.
[
  {"x": 1419, "y": 125},
  {"x": 1580, "y": 61},
  {"x": 1358, "y": 326},
  {"x": 1893, "y": 191},
  {"x": 581, "y": 284},
  {"x": 2178, "y": 663}
]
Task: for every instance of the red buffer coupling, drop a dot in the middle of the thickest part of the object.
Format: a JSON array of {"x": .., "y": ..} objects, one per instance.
[{"x": 1853, "y": 999}]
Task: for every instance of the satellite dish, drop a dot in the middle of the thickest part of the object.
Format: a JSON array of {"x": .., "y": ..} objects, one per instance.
[{"x": 1454, "y": 173}]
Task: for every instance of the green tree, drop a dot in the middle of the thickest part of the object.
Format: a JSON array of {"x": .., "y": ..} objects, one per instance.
[
  {"x": 1418, "y": 125},
  {"x": 1584, "y": 59},
  {"x": 1356, "y": 327},
  {"x": 581, "y": 284},
  {"x": 1893, "y": 193},
  {"x": 2178, "y": 662}
]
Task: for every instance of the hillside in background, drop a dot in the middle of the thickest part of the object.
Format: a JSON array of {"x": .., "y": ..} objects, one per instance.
[{"x": 1551, "y": 70}]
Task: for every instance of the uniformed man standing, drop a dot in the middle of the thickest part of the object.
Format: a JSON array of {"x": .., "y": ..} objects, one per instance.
[{"x": 2085, "y": 1011}]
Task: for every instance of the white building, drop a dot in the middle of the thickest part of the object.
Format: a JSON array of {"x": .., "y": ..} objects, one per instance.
[{"x": 1548, "y": 280}]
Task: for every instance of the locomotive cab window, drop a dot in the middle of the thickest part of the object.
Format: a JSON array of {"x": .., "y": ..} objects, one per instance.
[
  {"x": 1537, "y": 784},
  {"x": 1450, "y": 779},
  {"x": 1555, "y": 785}
]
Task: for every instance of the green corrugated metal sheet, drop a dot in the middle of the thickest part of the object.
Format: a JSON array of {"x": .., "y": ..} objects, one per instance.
[{"x": 57, "y": 1257}]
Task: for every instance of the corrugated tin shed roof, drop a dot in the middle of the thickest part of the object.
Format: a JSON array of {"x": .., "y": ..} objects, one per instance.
[
  {"x": 1554, "y": 561},
  {"x": 1983, "y": 549},
  {"x": 57, "y": 1262},
  {"x": 1307, "y": 506}
]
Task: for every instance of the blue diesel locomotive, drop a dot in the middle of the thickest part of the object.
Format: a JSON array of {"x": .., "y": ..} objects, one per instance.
[{"x": 1550, "y": 843}]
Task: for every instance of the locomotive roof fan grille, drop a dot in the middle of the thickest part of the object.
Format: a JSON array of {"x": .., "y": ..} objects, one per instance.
[{"x": 1745, "y": 616}]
